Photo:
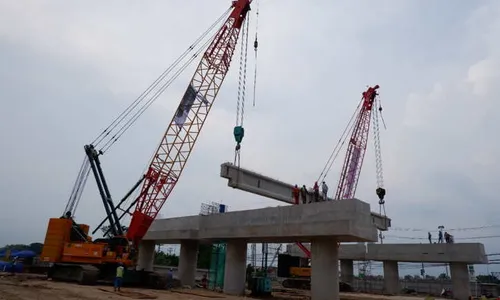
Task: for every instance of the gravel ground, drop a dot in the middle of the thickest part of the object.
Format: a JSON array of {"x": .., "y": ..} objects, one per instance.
[{"x": 35, "y": 287}]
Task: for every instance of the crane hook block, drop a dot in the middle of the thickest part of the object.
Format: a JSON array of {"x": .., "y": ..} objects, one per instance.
[
  {"x": 380, "y": 193},
  {"x": 238, "y": 132}
]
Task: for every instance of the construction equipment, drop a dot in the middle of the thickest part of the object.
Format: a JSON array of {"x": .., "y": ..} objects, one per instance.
[
  {"x": 69, "y": 250},
  {"x": 296, "y": 272},
  {"x": 353, "y": 162}
]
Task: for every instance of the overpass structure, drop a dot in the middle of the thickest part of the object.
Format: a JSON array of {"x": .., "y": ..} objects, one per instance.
[
  {"x": 265, "y": 186},
  {"x": 322, "y": 224},
  {"x": 459, "y": 256}
]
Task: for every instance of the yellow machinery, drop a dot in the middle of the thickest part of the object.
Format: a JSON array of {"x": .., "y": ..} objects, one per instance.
[{"x": 296, "y": 273}]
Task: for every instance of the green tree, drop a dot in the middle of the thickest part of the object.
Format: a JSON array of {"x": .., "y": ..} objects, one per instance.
[
  {"x": 163, "y": 259},
  {"x": 487, "y": 279},
  {"x": 443, "y": 276}
]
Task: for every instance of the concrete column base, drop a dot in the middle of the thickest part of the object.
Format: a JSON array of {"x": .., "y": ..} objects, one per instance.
[
  {"x": 347, "y": 271},
  {"x": 188, "y": 260},
  {"x": 460, "y": 281},
  {"x": 145, "y": 260},
  {"x": 235, "y": 268},
  {"x": 391, "y": 277},
  {"x": 324, "y": 269}
]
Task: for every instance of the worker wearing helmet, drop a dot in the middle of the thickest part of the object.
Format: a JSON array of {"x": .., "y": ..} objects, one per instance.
[{"x": 119, "y": 276}]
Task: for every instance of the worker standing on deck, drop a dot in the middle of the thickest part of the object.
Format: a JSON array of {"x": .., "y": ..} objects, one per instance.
[
  {"x": 440, "y": 237},
  {"x": 316, "y": 192},
  {"x": 303, "y": 194},
  {"x": 119, "y": 276},
  {"x": 324, "y": 191},
  {"x": 295, "y": 194}
]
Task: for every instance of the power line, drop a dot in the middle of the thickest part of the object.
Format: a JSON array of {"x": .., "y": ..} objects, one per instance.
[
  {"x": 447, "y": 229},
  {"x": 459, "y": 238}
]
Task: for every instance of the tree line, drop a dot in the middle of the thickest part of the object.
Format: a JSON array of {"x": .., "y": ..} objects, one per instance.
[{"x": 172, "y": 260}]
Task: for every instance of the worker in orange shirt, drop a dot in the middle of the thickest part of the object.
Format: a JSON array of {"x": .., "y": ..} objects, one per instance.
[
  {"x": 295, "y": 194},
  {"x": 316, "y": 192}
]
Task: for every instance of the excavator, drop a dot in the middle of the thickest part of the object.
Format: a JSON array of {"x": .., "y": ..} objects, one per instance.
[{"x": 69, "y": 252}]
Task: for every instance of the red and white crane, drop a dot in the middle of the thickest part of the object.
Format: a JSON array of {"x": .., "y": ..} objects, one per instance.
[
  {"x": 368, "y": 109},
  {"x": 169, "y": 160}
]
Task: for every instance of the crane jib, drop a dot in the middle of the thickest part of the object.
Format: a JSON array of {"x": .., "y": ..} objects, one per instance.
[{"x": 180, "y": 137}]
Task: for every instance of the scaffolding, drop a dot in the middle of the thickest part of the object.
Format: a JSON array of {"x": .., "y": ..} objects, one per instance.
[
  {"x": 218, "y": 253},
  {"x": 217, "y": 267}
]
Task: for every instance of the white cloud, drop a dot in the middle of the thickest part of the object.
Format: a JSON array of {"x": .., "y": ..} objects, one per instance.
[{"x": 76, "y": 65}]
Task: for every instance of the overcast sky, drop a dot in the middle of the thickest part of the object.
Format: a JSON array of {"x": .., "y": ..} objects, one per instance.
[{"x": 68, "y": 68}]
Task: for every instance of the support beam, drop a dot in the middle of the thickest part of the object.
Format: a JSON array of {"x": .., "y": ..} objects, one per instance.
[
  {"x": 235, "y": 269},
  {"x": 324, "y": 269},
  {"x": 188, "y": 260},
  {"x": 146, "y": 255},
  {"x": 391, "y": 277},
  {"x": 347, "y": 271},
  {"x": 259, "y": 184},
  {"x": 471, "y": 253},
  {"x": 460, "y": 281}
]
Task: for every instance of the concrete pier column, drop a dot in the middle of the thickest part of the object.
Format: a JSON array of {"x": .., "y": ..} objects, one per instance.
[
  {"x": 324, "y": 269},
  {"x": 391, "y": 277},
  {"x": 145, "y": 260},
  {"x": 235, "y": 269},
  {"x": 188, "y": 260},
  {"x": 460, "y": 281},
  {"x": 347, "y": 271}
]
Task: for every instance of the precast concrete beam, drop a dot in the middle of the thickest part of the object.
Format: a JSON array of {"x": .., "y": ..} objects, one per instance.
[
  {"x": 145, "y": 261},
  {"x": 471, "y": 253},
  {"x": 346, "y": 220},
  {"x": 262, "y": 185},
  {"x": 347, "y": 271},
  {"x": 188, "y": 260},
  {"x": 324, "y": 269},
  {"x": 460, "y": 281},
  {"x": 346, "y": 251},
  {"x": 391, "y": 277},
  {"x": 235, "y": 267}
]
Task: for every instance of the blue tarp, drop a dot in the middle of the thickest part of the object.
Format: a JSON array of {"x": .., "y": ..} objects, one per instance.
[
  {"x": 20, "y": 254},
  {"x": 7, "y": 267}
]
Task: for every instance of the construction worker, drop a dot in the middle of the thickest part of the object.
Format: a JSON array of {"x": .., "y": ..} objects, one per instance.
[
  {"x": 429, "y": 236},
  {"x": 324, "y": 191},
  {"x": 295, "y": 194},
  {"x": 316, "y": 192},
  {"x": 303, "y": 193},
  {"x": 119, "y": 276},
  {"x": 170, "y": 278},
  {"x": 440, "y": 237}
]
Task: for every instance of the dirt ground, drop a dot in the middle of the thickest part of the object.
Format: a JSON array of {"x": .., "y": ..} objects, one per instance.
[{"x": 33, "y": 287}]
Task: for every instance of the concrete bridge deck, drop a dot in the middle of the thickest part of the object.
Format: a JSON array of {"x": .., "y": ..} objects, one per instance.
[
  {"x": 262, "y": 185},
  {"x": 470, "y": 253},
  {"x": 345, "y": 220}
]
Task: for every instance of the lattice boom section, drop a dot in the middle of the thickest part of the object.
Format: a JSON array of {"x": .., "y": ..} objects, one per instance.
[
  {"x": 353, "y": 161},
  {"x": 182, "y": 132}
]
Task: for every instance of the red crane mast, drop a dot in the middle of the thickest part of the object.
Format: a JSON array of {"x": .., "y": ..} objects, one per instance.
[
  {"x": 356, "y": 150},
  {"x": 180, "y": 137}
]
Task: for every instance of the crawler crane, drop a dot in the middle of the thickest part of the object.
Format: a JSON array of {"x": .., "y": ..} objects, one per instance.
[
  {"x": 299, "y": 277},
  {"x": 68, "y": 249}
]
